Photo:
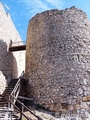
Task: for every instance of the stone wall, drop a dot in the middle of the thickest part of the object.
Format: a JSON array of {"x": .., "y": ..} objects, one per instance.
[
  {"x": 3, "y": 83},
  {"x": 8, "y": 60},
  {"x": 11, "y": 64},
  {"x": 58, "y": 60}
]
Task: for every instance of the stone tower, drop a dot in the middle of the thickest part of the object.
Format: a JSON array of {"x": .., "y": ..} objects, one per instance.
[{"x": 58, "y": 60}]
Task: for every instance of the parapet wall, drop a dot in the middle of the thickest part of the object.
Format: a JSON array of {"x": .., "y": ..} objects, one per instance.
[{"x": 58, "y": 60}]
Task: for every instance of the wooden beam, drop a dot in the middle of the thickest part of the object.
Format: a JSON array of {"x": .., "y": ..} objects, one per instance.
[{"x": 17, "y": 48}]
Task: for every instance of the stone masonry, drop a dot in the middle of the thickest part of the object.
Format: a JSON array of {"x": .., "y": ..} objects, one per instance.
[
  {"x": 3, "y": 83},
  {"x": 11, "y": 64},
  {"x": 58, "y": 60}
]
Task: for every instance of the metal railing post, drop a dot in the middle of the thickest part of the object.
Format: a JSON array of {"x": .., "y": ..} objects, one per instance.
[
  {"x": 9, "y": 102},
  {"x": 22, "y": 110},
  {"x": 10, "y": 45}
]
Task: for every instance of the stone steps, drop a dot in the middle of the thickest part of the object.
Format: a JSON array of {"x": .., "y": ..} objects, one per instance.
[
  {"x": 5, "y": 96},
  {"x": 7, "y": 114}
]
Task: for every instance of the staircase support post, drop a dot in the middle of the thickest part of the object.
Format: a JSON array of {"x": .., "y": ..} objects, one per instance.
[
  {"x": 9, "y": 103},
  {"x": 22, "y": 110}
]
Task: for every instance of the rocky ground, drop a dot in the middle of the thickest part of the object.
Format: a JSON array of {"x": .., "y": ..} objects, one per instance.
[
  {"x": 48, "y": 116},
  {"x": 42, "y": 115}
]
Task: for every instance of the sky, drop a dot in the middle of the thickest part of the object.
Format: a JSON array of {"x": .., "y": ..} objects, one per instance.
[{"x": 21, "y": 11}]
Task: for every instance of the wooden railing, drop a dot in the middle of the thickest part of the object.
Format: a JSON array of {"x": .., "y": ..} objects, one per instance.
[
  {"x": 18, "y": 43},
  {"x": 13, "y": 99}
]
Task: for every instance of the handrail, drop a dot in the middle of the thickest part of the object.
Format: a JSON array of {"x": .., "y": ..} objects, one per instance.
[
  {"x": 17, "y": 43},
  {"x": 17, "y": 87},
  {"x": 18, "y": 83},
  {"x": 23, "y": 106},
  {"x": 13, "y": 98},
  {"x": 20, "y": 111},
  {"x": 16, "y": 90}
]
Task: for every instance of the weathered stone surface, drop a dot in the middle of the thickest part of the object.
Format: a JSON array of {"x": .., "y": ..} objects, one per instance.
[
  {"x": 10, "y": 63},
  {"x": 3, "y": 83},
  {"x": 58, "y": 59}
]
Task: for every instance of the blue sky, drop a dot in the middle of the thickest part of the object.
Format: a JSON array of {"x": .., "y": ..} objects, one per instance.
[{"x": 22, "y": 11}]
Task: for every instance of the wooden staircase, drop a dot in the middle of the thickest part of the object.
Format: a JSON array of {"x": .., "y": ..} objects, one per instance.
[
  {"x": 5, "y": 97},
  {"x": 8, "y": 100},
  {"x": 7, "y": 113}
]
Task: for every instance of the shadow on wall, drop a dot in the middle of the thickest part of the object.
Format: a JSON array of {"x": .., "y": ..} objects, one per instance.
[
  {"x": 12, "y": 64},
  {"x": 8, "y": 64}
]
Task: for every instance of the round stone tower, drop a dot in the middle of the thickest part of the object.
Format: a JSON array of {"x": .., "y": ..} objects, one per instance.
[{"x": 58, "y": 60}]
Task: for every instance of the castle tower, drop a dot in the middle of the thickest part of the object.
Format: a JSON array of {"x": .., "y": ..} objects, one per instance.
[{"x": 58, "y": 60}]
